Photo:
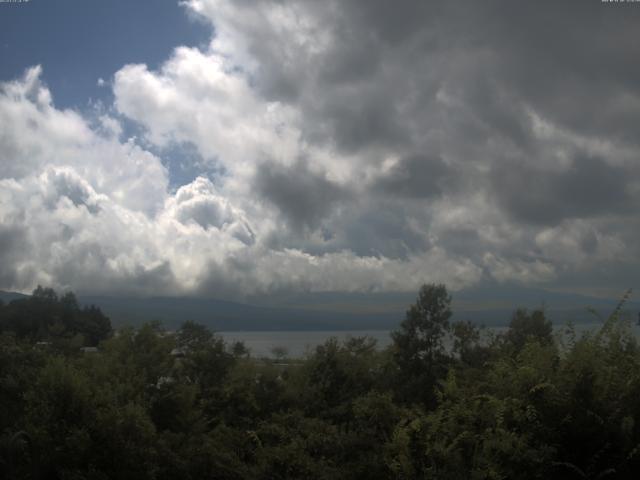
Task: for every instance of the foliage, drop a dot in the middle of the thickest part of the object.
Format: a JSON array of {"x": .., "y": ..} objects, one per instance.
[
  {"x": 418, "y": 345},
  {"x": 152, "y": 404},
  {"x": 525, "y": 326},
  {"x": 46, "y": 317}
]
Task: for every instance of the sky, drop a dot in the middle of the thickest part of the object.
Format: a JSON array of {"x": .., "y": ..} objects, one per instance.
[{"x": 229, "y": 149}]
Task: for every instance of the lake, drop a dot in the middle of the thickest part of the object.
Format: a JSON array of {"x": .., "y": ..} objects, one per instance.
[{"x": 297, "y": 343}]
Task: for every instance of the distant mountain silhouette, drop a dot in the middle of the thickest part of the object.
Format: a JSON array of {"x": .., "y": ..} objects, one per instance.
[
  {"x": 6, "y": 297},
  {"x": 223, "y": 315},
  {"x": 343, "y": 311}
]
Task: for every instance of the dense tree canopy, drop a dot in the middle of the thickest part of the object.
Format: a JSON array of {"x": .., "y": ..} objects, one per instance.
[
  {"x": 153, "y": 404},
  {"x": 45, "y": 317}
]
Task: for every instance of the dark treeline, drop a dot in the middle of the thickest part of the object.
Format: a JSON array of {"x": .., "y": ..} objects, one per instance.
[
  {"x": 149, "y": 404},
  {"x": 45, "y": 317}
]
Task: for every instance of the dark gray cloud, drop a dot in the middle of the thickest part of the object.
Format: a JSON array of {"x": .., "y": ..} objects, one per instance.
[
  {"x": 383, "y": 230},
  {"x": 353, "y": 125},
  {"x": 417, "y": 176},
  {"x": 588, "y": 188},
  {"x": 462, "y": 241},
  {"x": 572, "y": 61},
  {"x": 368, "y": 227},
  {"x": 303, "y": 196},
  {"x": 13, "y": 247},
  {"x": 384, "y": 62}
]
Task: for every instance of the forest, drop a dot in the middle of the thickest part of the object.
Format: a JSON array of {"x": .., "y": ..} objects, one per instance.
[{"x": 446, "y": 400}]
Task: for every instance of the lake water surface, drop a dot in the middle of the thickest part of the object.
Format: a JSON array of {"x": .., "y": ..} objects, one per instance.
[{"x": 298, "y": 343}]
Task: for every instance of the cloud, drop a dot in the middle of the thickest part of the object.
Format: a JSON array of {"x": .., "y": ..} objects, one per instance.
[
  {"x": 13, "y": 240},
  {"x": 417, "y": 176},
  {"x": 303, "y": 196},
  {"x": 360, "y": 145},
  {"x": 199, "y": 98},
  {"x": 199, "y": 202},
  {"x": 60, "y": 184},
  {"x": 586, "y": 188},
  {"x": 97, "y": 215},
  {"x": 37, "y": 134}
]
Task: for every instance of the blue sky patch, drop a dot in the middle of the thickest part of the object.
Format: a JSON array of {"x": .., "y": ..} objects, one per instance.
[{"x": 79, "y": 41}]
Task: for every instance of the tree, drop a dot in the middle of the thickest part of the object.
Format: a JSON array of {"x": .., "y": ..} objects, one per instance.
[
  {"x": 45, "y": 295},
  {"x": 467, "y": 344},
  {"x": 206, "y": 362},
  {"x": 525, "y": 326},
  {"x": 338, "y": 373},
  {"x": 44, "y": 316},
  {"x": 94, "y": 325},
  {"x": 418, "y": 348},
  {"x": 194, "y": 336}
]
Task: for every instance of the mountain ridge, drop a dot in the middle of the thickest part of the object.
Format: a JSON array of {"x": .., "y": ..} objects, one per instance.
[{"x": 340, "y": 311}]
